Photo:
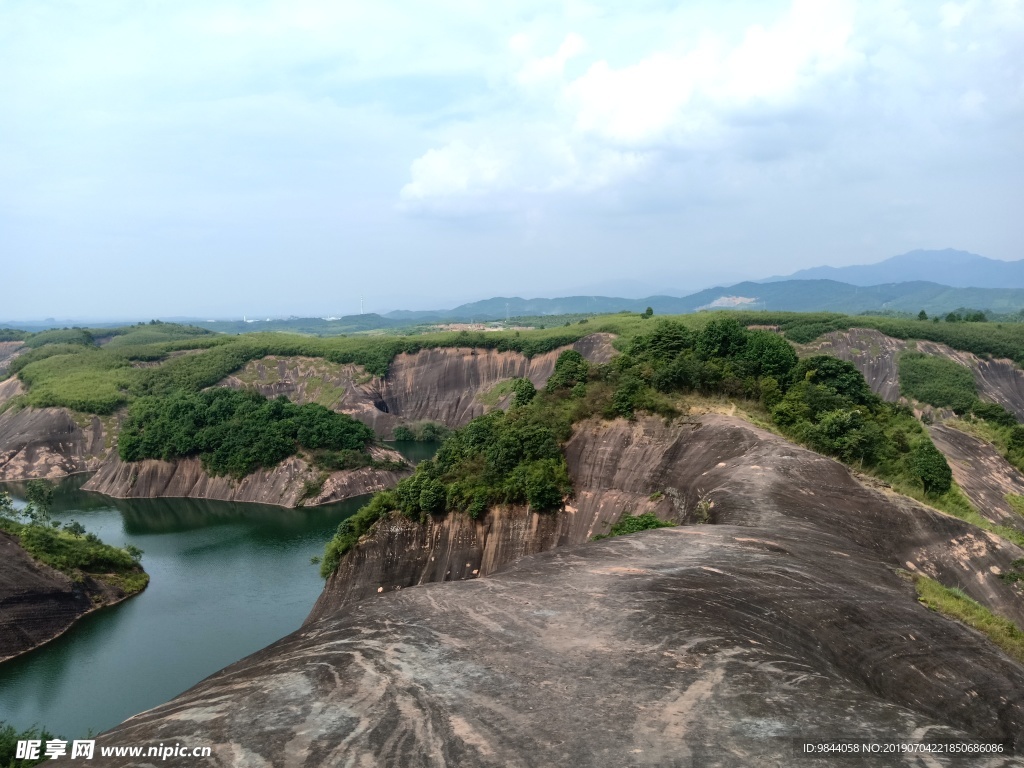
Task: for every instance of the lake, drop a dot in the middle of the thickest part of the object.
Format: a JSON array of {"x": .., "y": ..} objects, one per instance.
[{"x": 226, "y": 580}]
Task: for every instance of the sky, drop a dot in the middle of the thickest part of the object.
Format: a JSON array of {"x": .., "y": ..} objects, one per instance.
[{"x": 214, "y": 159}]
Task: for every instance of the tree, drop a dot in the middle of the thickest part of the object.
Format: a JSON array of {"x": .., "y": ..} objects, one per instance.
[
  {"x": 922, "y": 315},
  {"x": 648, "y": 312},
  {"x": 931, "y": 467},
  {"x": 523, "y": 391}
]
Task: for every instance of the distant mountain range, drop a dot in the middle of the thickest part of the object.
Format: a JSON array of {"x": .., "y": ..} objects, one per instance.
[
  {"x": 935, "y": 281},
  {"x": 783, "y": 295},
  {"x": 958, "y": 269}
]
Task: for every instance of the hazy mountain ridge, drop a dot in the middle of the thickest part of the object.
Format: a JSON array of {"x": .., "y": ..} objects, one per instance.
[{"x": 958, "y": 269}]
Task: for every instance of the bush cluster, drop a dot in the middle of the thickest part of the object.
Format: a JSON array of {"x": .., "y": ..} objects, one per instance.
[{"x": 234, "y": 432}]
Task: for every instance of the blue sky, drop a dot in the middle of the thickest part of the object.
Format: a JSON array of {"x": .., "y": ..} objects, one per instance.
[{"x": 215, "y": 158}]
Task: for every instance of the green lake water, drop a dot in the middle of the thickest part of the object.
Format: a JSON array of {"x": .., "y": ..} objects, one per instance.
[{"x": 225, "y": 581}]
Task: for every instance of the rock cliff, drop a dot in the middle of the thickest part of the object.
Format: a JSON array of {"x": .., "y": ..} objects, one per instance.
[
  {"x": 38, "y": 603},
  {"x": 449, "y": 385},
  {"x": 284, "y": 484},
  {"x": 50, "y": 442},
  {"x": 786, "y": 614},
  {"x": 876, "y": 356},
  {"x": 717, "y": 469}
]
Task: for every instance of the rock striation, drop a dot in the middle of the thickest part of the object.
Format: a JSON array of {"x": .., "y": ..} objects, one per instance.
[
  {"x": 877, "y": 357},
  {"x": 982, "y": 473},
  {"x": 38, "y": 603},
  {"x": 49, "y": 442},
  {"x": 782, "y": 611},
  {"x": 284, "y": 484},
  {"x": 448, "y": 385}
]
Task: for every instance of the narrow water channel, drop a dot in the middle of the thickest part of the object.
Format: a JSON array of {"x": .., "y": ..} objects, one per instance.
[{"x": 225, "y": 580}]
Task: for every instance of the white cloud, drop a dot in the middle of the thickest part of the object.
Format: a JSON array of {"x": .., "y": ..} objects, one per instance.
[{"x": 609, "y": 122}]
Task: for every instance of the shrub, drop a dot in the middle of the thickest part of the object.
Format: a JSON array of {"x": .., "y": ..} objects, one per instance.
[{"x": 634, "y": 523}]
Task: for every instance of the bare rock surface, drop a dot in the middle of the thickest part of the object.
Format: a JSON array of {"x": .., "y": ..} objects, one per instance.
[
  {"x": 9, "y": 350},
  {"x": 873, "y": 353},
  {"x": 448, "y": 385},
  {"x": 876, "y": 356},
  {"x": 983, "y": 474},
  {"x": 38, "y": 603},
  {"x": 693, "y": 646},
  {"x": 49, "y": 443},
  {"x": 719, "y": 469},
  {"x": 786, "y": 614},
  {"x": 10, "y": 389},
  {"x": 283, "y": 484}
]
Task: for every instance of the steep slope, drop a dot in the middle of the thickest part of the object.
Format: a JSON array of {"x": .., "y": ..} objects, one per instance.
[
  {"x": 716, "y": 469},
  {"x": 983, "y": 474},
  {"x": 876, "y": 356},
  {"x": 8, "y": 351},
  {"x": 284, "y": 484},
  {"x": 443, "y": 385},
  {"x": 49, "y": 442},
  {"x": 714, "y": 644},
  {"x": 38, "y": 603}
]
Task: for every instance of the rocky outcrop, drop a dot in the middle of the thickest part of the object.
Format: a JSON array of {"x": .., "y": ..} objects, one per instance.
[
  {"x": 717, "y": 469},
  {"x": 8, "y": 351},
  {"x": 711, "y": 645},
  {"x": 285, "y": 484},
  {"x": 877, "y": 357},
  {"x": 449, "y": 385},
  {"x": 873, "y": 353},
  {"x": 50, "y": 443},
  {"x": 38, "y": 603},
  {"x": 982, "y": 473},
  {"x": 10, "y": 389}
]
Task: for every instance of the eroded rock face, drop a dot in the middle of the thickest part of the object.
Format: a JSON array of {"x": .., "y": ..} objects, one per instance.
[
  {"x": 283, "y": 484},
  {"x": 876, "y": 356},
  {"x": 982, "y": 473},
  {"x": 38, "y": 603},
  {"x": 8, "y": 351},
  {"x": 785, "y": 615},
  {"x": 718, "y": 469},
  {"x": 49, "y": 443},
  {"x": 448, "y": 385},
  {"x": 693, "y": 646}
]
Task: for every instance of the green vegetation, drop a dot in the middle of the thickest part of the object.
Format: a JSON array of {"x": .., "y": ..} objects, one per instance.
[
  {"x": 992, "y": 339},
  {"x": 13, "y": 334},
  {"x": 937, "y": 381},
  {"x": 67, "y": 368},
  {"x": 71, "y": 550},
  {"x": 9, "y": 738},
  {"x": 515, "y": 457},
  {"x": 1015, "y": 572},
  {"x": 633, "y": 523},
  {"x": 1017, "y": 502},
  {"x": 421, "y": 432},
  {"x": 235, "y": 432},
  {"x": 957, "y": 605}
]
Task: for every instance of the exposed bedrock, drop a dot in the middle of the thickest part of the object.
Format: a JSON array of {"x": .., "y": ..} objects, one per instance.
[
  {"x": 692, "y": 646},
  {"x": 447, "y": 385},
  {"x": 283, "y": 485},
  {"x": 38, "y": 603},
  {"x": 48, "y": 442},
  {"x": 983, "y": 474},
  {"x": 8, "y": 351},
  {"x": 876, "y": 356},
  {"x": 720, "y": 470}
]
